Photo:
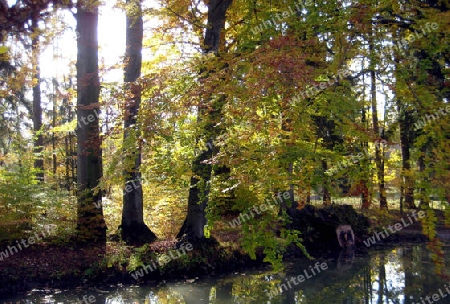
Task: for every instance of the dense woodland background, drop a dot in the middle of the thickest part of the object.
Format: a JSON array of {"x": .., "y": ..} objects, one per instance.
[{"x": 223, "y": 104}]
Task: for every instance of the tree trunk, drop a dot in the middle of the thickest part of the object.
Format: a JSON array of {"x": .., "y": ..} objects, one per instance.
[
  {"x": 54, "y": 138},
  {"x": 193, "y": 226},
  {"x": 326, "y": 196},
  {"x": 290, "y": 205},
  {"x": 90, "y": 221},
  {"x": 325, "y": 130},
  {"x": 424, "y": 180},
  {"x": 133, "y": 229},
  {"x": 67, "y": 163},
  {"x": 376, "y": 129},
  {"x": 365, "y": 193},
  {"x": 37, "y": 109},
  {"x": 405, "y": 124}
]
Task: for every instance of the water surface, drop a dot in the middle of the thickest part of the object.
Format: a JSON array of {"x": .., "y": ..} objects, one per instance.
[{"x": 404, "y": 275}]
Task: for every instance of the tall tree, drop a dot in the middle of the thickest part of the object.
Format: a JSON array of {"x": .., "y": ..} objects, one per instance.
[
  {"x": 133, "y": 228},
  {"x": 379, "y": 161},
  {"x": 405, "y": 123},
  {"x": 407, "y": 186},
  {"x": 432, "y": 95},
  {"x": 194, "y": 224},
  {"x": 365, "y": 178},
  {"x": 37, "y": 108},
  {"x": 90, "y": 221}
]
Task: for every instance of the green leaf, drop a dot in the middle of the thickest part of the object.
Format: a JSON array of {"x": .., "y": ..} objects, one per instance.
[{"x": 322, "y": 78}]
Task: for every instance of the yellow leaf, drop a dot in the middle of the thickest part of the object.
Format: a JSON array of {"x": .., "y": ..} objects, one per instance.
[{"x": 67, "y": 127}]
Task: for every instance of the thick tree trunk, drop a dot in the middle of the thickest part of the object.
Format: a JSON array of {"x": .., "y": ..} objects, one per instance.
[
  {"x": 90, "y": 221},
  {"x": 193, "y": 226},
  {"x": 133, "y": 229},
  {"x": 37, "y": 109}
]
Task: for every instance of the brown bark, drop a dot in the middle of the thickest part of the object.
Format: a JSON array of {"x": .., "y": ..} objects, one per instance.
[
  {"x": 376, "y": 129},
  {"x": 90, "y": 221},
  {"x": 405, "y": 123},
  {"x": 133, "y": 229},
  {"x": 193, "y": 226},
  {"x": 289, "y": 205},
  {"x": 37, "y": 108},
  {"x": 365, "y": 193}
]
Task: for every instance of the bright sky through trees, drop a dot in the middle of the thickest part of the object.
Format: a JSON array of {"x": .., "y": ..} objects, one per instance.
[{"x": 59, "y": 57}]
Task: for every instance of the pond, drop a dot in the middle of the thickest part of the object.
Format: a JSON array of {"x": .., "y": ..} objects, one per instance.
[{"x": 403, "y": 275}]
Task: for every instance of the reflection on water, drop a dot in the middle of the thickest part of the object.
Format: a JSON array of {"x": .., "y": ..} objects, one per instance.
[{"x": 403, "y": 275}]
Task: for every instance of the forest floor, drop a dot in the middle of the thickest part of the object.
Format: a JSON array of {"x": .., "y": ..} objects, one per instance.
[{"x": 47, "y": 265}]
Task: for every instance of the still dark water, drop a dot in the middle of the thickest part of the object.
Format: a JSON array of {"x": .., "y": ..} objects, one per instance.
[{"x": 404, "y": 275}]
